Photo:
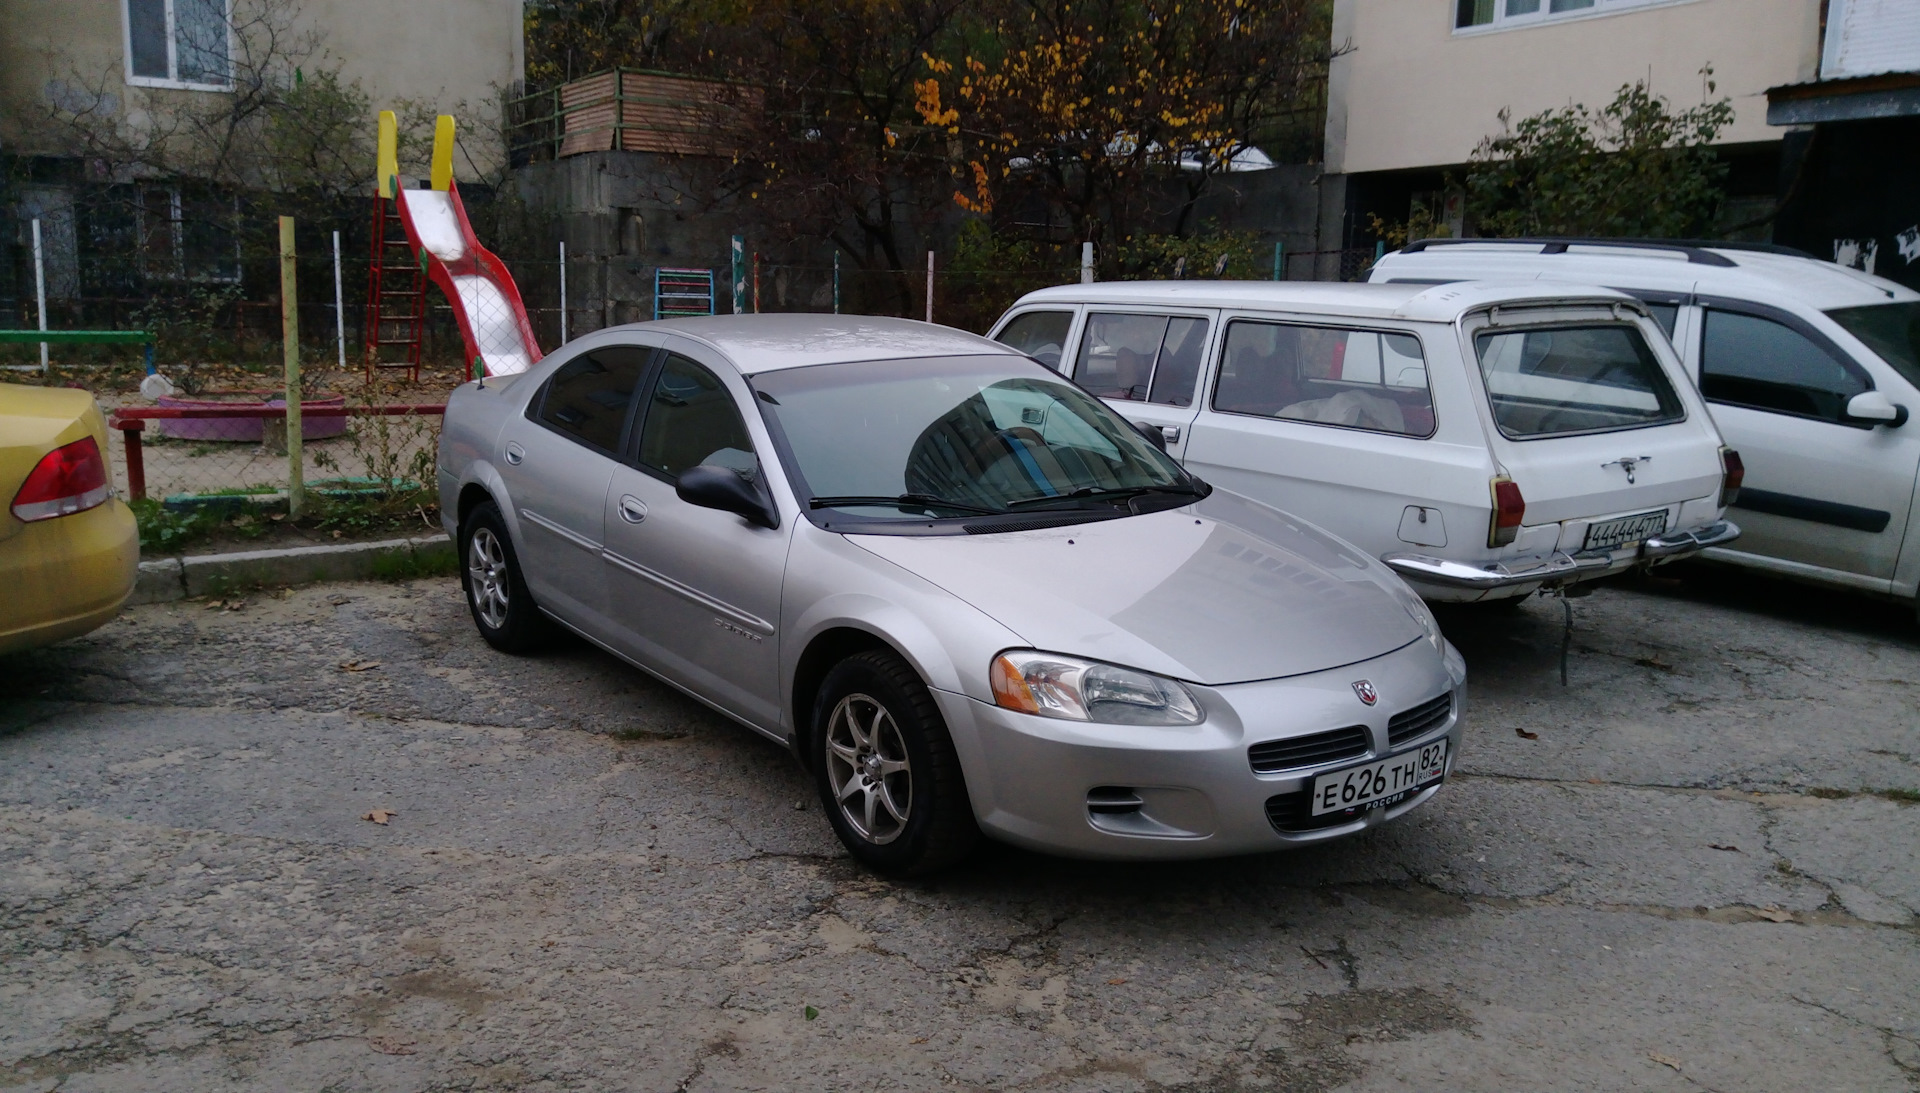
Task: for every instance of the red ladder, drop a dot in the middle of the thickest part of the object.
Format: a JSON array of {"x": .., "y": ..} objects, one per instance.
[{"x": 396, "y": 295}]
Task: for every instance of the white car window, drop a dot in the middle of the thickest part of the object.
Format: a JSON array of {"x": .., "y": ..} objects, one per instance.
[
  {"x": 1750, "y": 361},
  {"x": 1574, "y": 379},
  {"x": 1357, "y": 379},
  {"x": 1041, "y": 335}
]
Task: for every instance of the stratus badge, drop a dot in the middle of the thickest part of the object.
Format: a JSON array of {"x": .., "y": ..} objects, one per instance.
[{"x": 1363, "y": 688}]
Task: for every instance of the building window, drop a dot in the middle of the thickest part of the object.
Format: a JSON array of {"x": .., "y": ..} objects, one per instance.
[
  {"x": 1501, "y": 14},
  {"x": 179, "y": 43}
]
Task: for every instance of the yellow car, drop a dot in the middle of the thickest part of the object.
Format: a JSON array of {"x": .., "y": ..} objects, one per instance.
[{"x": 69, "y": 550}]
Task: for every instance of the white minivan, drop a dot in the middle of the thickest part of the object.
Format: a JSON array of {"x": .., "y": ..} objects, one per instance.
[
  {"x": 1810, "y": 368},
  {"x": 1484, "y": 440}
]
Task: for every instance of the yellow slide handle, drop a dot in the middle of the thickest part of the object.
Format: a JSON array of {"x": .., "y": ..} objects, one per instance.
[
  {"x": 388, "y": 161},
  {"x": 443, "y": 152}
]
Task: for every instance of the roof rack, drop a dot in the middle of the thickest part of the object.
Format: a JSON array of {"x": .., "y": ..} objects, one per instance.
[{"x": 1697, "y": 251}]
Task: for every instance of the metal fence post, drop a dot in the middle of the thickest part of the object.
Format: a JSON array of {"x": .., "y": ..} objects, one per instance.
[
  {"x": 1279, "y": 260},
  {"x": 1086, "y": 262},
  {"x": 339, "y": 306},
  {"x": 836, "y": 282},
  {"x": 739, "y": 275},
  {"x": 290, "y": 336},
  {"x": 929, "y": 286},
  {"x": 40, "y": 287},
  {"x": 563, "y": 292}
]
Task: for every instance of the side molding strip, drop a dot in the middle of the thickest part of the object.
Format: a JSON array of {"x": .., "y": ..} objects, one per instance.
[
  {"x": 1852, "y": 517},
  {"x": 754, "y": 623}
]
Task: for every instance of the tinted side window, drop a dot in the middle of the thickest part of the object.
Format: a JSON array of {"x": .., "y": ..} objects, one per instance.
[
  {"x": 691, "y": 420},
  {"x": 589, "y": 396},
  {"x": 1041, "y": 335},
  {"x": 1750, "y": 361},
  {"x": 1361, "y": 379}
]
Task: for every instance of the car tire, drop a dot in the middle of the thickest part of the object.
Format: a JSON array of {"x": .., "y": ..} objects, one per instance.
[
  {"x": 503, "y": 610},
  {"x": 877, "y": 738}
]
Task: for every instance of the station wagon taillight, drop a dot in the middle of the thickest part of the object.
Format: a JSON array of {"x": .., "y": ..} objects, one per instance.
[
  {"x": 1732, "y": 473},
  {"x": 1509, "y": 508},
  {"x": 71, "y": 478}
]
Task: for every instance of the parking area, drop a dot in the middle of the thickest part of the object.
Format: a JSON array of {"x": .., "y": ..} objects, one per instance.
[{"x": 1693, "y": 867}]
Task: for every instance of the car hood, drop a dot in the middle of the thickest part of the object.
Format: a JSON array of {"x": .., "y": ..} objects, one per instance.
[{"x": 1223, "y": 591}]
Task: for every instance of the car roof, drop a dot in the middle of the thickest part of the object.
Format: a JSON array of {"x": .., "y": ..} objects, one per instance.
[
  {"x": 767, "y": 343},
  {"x": 1425, "y": 302},
  {"x": 1760, "y": 275}
]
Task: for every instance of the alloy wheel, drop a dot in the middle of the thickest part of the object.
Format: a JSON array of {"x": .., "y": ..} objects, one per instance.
[
  {"x": 487, "y": 577},
  {"x": 868, "y": 769}
]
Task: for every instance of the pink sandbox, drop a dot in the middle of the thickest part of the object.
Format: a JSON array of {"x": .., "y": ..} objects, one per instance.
[{"x": 320, "y": 417}]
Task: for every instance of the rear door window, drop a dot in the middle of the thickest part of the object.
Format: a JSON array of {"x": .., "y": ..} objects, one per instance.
[
  {"x": 1357, "y": 379},
  {"x": 1574, "y": 379},
  {"x": 589, "y": 398},
  {"x": 1747, "y": 360},
  {"x": 1142, "y": 358},
  {"x": 1041, "y": 335}
]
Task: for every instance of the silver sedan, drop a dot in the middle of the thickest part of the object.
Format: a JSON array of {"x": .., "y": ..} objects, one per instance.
[{"x": 968, "y": 595}]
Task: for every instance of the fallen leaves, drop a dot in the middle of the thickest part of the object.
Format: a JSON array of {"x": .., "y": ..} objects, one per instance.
[
  {"x": 1524, "y": 734},
  {"x": 1115, "y": 982},
  {"x": 1774, "y": 914},
  {"x": 391, "y": 1045},
  {"x": 810, "y": 1012},
  {"x": 1728, "y": 847},
  {"x": 359, "y": 665},
  {"x": 380, "y": 816},
  {"x": 1664, "y": 1060},
  {"x": 225, "y": 605}
]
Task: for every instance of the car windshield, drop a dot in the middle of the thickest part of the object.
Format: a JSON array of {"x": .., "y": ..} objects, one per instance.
[
  {"x": 959, "y": 436},
  {"x": 1891, "y": 330},
  {"x": 1574, "y": 379}
]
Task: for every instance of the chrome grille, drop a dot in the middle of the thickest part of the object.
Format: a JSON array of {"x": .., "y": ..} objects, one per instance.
[
  {"x": 1292, "y": 813},
  {"x": 1417, "y": 722},
  {"x": 1331, "y": 746}
]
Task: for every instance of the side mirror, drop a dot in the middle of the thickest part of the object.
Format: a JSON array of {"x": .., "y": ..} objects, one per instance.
[
  {"x": 723, "y": 489},
  {"x": 1875, "y": 408},
  {"x": 1153, "y": 434}
]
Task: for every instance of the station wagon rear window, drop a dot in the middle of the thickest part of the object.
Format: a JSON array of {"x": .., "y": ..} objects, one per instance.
[
  {"x": 1574, "y": 379},
  {"x": 1356, "y": 379}
]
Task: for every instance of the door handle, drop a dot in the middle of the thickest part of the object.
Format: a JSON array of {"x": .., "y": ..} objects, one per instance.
[
  {"x": 1170, "y": 433},
  {"x": 632, "y": 509},
  {"x": 515, "y": 453}
]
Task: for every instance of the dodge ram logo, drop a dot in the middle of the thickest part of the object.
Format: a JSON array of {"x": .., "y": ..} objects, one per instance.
[{"x": 1363, "y": 688}]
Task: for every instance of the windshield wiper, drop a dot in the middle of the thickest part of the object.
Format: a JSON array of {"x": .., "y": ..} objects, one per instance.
[
  {"x": 1099, "y": 493},
  {"x": 902, "y": 500}
]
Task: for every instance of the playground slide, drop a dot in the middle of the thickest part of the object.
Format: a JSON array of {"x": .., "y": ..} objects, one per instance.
[{"x": 485, "y": 300}]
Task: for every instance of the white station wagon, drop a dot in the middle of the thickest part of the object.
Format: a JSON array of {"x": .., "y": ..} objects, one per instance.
[
  {"x": 1485, "y": 440},
  {"x": 1811, "y": 370}
]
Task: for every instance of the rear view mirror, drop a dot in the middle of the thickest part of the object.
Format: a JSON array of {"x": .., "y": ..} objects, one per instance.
[
  {"x": 719, "y": 488},
  {"x": 1875, "y": 408}
]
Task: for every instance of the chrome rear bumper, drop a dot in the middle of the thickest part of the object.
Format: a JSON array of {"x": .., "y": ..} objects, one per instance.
[{"x": 1558, "y": 566}]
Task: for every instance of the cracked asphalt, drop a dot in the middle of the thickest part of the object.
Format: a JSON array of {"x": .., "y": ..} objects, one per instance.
[{"x": 1700, "y": 873}]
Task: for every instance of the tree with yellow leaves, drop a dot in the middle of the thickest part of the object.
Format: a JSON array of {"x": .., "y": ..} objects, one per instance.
[{"x": 1071, "y": 110}]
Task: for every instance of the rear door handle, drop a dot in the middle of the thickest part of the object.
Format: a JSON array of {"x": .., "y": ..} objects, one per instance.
[
  {"x": 1170, "y": 433},
  {"x": 515, "y": 453},
  {"x": 632, "y": 509}
]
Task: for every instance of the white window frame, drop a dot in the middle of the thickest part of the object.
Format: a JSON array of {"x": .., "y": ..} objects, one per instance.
[
  {"x": 173, "y": 59},
  {"x": 1503, "y": 21}
]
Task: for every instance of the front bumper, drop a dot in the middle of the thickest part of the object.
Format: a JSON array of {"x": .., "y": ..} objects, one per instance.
[
  {"x": 1148, "y": 793},
  {"x": 1559, "y": 566}
]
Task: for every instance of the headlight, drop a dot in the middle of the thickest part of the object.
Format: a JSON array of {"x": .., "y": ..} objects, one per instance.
[{"x": 1084, "y": 690}]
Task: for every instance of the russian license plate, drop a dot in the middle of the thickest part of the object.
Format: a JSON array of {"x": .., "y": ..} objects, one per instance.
[
  {"x": 1382, "y": 782},
  {"x": 1627, "y": 529}
]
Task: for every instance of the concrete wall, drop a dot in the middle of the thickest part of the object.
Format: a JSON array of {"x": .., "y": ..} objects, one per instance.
[
  {"x": 446, "y": 54},
  {"x": 1416, "y": 93}
]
